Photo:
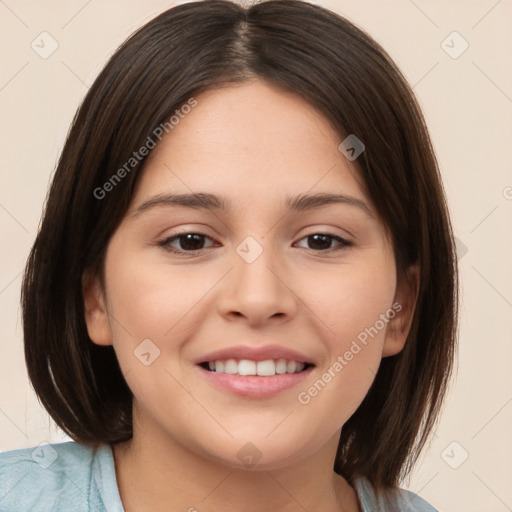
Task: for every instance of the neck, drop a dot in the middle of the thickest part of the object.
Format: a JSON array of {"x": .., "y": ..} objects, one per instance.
[{"x": 159, "y": 474}]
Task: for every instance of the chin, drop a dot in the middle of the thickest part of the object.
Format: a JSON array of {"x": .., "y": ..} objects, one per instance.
[{"x": 256, "y": 454}]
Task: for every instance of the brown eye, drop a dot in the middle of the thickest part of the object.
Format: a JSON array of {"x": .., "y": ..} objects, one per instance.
[
  {"x": 185, "y": 242},
  {"x": 323, "y": 242}
]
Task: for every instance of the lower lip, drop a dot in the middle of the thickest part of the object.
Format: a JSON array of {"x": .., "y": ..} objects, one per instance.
[{"x": 253, "y": 386}]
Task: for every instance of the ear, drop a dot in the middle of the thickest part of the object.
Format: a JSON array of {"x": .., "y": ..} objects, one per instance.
[
  {"x": 95, "y": 311},
  {"x": 404, "y": 306}
]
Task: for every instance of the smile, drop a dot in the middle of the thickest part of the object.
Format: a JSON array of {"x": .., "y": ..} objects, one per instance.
[
  {"x": 265, "y": 368},
  {"x": 253, "y": 385}
]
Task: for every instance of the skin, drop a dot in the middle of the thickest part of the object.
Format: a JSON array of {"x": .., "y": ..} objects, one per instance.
[{"x": 253, "y": 144}]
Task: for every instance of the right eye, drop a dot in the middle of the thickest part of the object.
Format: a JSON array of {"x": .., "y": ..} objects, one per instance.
[{"x": 186, "y": 242}]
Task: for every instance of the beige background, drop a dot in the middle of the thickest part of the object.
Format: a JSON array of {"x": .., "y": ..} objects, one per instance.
[{"x": 468, "y": 105}]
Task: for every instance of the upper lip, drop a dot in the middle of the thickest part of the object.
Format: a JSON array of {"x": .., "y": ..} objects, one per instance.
[{"x": 255, "y": 354}]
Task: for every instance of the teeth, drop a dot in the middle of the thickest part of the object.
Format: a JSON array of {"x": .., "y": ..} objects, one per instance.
[
  {"x": 266, "y": 368},
  {"x": 230, "y": 367},
  {"x": 261, "y": 368},
  {"x": 291, "y": 367},
  {"x": 281, "y": 366},
  {"x": 246, "y": 367}
]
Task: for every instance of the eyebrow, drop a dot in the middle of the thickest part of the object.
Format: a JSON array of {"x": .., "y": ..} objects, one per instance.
[{"x": 205, "y": 201}]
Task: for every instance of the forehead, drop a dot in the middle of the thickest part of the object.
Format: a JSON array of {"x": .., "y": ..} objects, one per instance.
[{"x": 250, "y": 139}]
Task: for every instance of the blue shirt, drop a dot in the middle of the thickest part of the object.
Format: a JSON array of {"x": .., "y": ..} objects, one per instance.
[{"x": 72, "y": 477}]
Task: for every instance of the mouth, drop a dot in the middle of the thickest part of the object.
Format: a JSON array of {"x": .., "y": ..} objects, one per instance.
[
  {"x": 247, "y": 367},
  {"x": 256, "y": 373},
  {"x": 261, "y": 377}
]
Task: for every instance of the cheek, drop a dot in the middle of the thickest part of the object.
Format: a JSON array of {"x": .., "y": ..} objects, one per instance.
[
  {"x": 149, "y": 299},
  {"x": 351, "y": 299},
  {"x": 353, "y": 316}
]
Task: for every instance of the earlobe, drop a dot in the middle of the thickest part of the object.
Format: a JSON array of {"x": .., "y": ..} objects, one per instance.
[
  {"x": 405, "y": 300},
  {"x": 95, "y": 311}
]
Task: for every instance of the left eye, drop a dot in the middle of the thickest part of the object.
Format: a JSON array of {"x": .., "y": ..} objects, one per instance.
[{"x": 322, "y": 242}]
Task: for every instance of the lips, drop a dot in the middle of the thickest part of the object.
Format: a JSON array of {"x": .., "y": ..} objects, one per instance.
[
  {"x": 235, "y": 376},
  {"x": 252, "y": 386},
  {"x": 255, "y": 354}
]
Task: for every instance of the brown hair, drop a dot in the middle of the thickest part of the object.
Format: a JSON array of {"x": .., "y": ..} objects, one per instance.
[{"x": 349, "y": 78}]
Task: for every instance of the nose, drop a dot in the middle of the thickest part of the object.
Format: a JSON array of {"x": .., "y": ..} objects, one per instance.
[{"x": 258, "y": 292}]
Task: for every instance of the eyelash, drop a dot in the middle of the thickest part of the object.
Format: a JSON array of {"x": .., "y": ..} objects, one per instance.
[{"x": 166, "y": 243}]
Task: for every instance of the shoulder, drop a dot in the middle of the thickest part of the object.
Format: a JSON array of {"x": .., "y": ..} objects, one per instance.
[
  {"x": 411, "y": 502},
  {"x": 394, "y": 500},
  {"x": 60, "y": 476}
]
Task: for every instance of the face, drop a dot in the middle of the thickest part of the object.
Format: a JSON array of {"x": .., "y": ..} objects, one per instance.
[{"x": 254, "y": 274}]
